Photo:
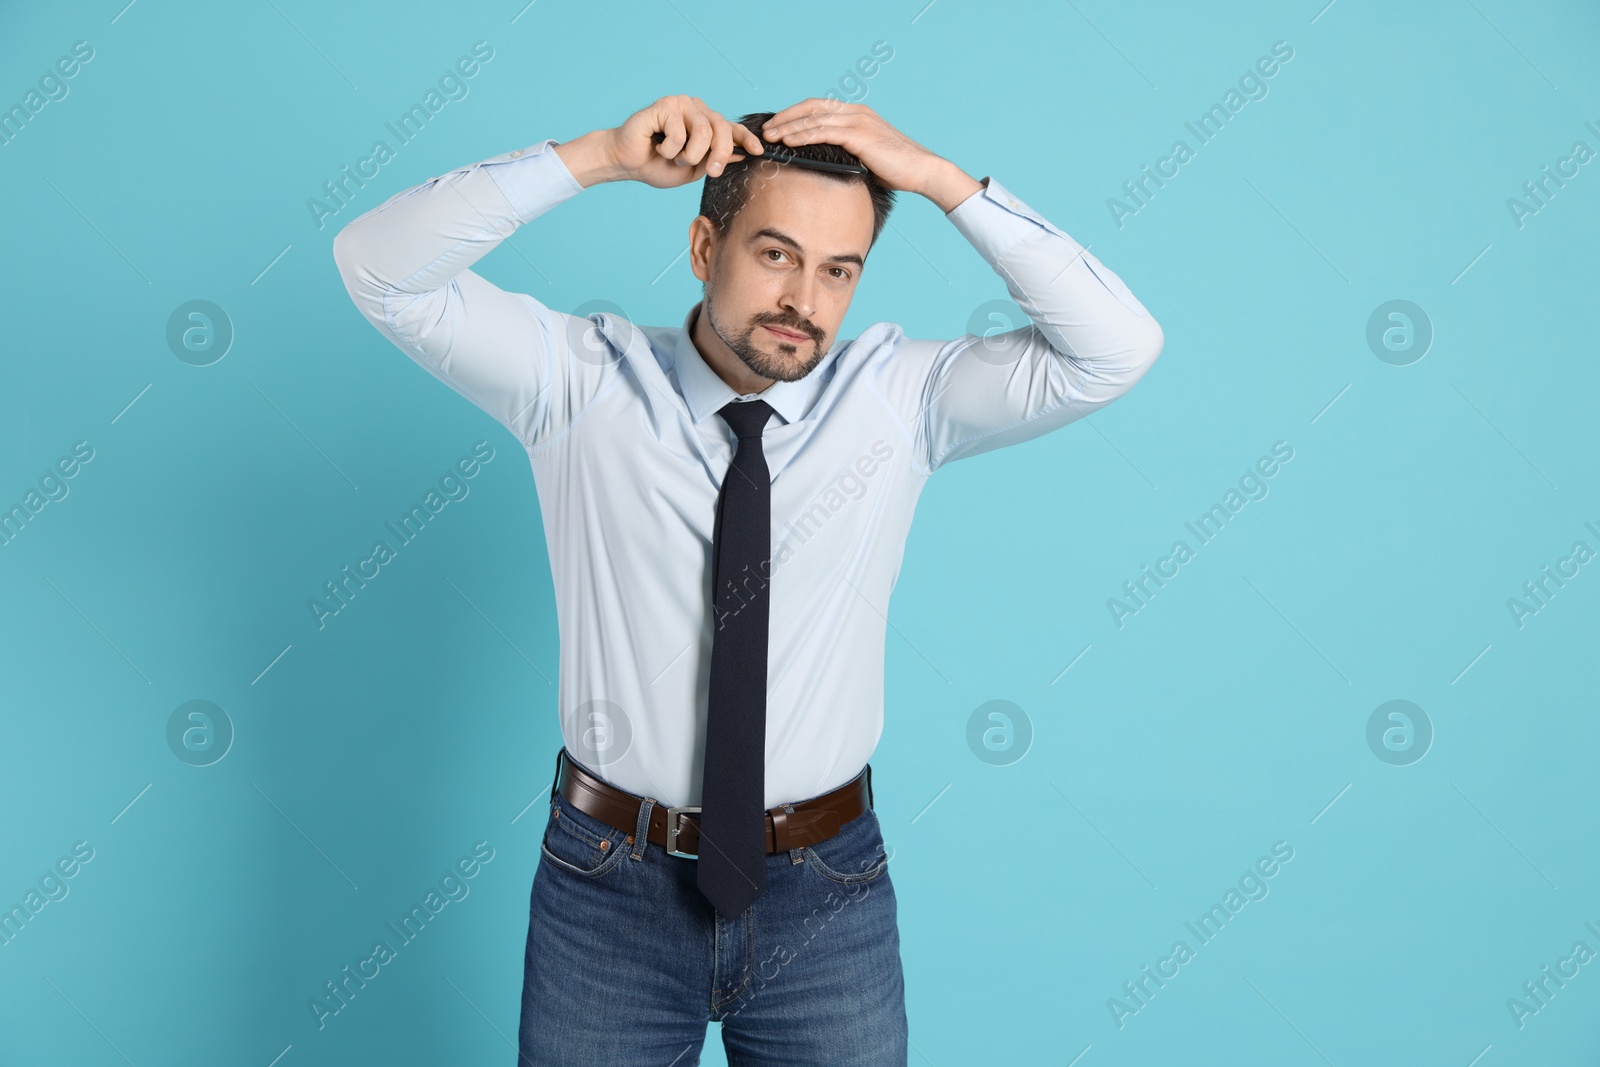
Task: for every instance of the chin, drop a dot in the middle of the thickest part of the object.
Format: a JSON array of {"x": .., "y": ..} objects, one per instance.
[{"x": 780, "y": 368}]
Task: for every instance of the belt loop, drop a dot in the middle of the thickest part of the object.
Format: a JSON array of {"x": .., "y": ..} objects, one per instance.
[
  {"x": 870, "y": 803},
  {"x": 796, "y": 852},
  {"x": 555, "y": 783},
  {"x": 641, "y": 828}
]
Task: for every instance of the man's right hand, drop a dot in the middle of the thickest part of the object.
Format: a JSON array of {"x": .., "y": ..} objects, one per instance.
[{"x": 696, "y": 141}]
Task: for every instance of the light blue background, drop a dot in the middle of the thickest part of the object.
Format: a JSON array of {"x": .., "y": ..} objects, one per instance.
[{"x": 1229, "y": 714}]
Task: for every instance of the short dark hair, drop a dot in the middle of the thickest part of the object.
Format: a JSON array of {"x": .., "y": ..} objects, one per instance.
[{"x": 725, "y": 195}]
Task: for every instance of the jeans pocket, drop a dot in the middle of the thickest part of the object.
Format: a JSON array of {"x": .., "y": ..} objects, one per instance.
[
  {"x": 578, "y": 843},
  {"x": 853, "y": 856}
]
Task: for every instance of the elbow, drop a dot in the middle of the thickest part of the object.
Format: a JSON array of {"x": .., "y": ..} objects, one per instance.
[
  {"x": 1150, "y": 343},
  {"x": 356, "y": 270},
  {"x": 346, "y": 253},
  {"x": 1140, "y": 351},
  {"x": 362, "y": 281}
]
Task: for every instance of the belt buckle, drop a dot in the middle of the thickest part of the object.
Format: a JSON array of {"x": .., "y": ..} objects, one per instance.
[{"x": 672, "y": 832}]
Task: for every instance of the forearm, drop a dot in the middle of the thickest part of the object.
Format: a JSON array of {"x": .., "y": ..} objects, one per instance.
[
  {"x": 1085, "y": 314},
  {"x": 1081, "y": 307},
  {"x": 1087, "y": 341},
  {"x": 948, "y": 185},
  {"x": 589, "y": 158}
]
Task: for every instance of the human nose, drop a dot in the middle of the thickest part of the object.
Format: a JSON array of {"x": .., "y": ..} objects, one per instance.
[{"x": 800, "y": 300}]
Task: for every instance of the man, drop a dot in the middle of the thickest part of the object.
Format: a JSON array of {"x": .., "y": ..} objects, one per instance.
[{"x": 726, "y": 506}]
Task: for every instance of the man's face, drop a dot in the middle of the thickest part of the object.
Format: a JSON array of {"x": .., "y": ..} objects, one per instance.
[{"x": 779, "y": 282}]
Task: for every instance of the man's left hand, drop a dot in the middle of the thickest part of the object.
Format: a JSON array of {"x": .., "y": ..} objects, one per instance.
[{"x": 894, "y": 159}]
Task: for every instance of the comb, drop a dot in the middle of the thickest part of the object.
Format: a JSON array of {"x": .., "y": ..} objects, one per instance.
[{"x": 779, "y": 153}]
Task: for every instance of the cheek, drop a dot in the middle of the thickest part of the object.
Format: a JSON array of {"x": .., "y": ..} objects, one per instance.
[
  {"x": 831, "y": 316},
  {"x": 745, "y": 283}
]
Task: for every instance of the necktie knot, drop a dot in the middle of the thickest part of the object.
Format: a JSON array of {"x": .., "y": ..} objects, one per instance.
[{"x": 748, "y": 418}]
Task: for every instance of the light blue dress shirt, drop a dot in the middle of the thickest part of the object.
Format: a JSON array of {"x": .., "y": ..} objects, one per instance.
[{"x": 619, "y": 423}]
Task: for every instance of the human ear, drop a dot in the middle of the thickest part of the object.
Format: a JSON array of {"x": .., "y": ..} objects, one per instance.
[{"x": 702, "y": 244}]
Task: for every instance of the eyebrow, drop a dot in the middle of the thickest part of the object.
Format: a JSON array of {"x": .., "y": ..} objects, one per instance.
[{"x": 784, "y": 238}]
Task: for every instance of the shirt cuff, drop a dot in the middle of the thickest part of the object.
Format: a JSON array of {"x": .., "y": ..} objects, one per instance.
[
  {"x": 533, "y": 179},
  {"x": 994, "y": 221}
]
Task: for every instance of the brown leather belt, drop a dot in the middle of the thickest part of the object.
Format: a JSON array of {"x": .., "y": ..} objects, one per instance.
[{"x": 677, "y": 830}]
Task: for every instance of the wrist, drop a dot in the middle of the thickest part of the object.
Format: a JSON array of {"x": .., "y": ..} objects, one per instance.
[
  {"x": 589, "y": 158},
  {"x": 948, "y": 185}
]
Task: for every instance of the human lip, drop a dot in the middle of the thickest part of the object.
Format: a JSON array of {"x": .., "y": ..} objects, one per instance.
[{"x": 788, "y": 334}]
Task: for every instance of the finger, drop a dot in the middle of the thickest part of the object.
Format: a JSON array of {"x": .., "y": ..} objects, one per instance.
[
  {"x": 699, "y": 138},
  {"x": 703, "y": 168},
  {"x": 721, "y": 147},
  {"x": 738, "y": 154},
  {"x": 747, "y": 139},
  {"x": 811, "y": 131},
  {"x": 672, "y": 125},
  {"x": 798, "y": 124},
  {"x": 802, "y": 109}
]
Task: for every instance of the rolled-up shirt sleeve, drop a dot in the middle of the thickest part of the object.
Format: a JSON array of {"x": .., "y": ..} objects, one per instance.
[{"x": 1088, "y": 341}]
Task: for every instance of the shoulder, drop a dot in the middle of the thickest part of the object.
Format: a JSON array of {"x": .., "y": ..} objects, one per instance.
[
  {"x": 898, "y": 365},
  {"x": 878, "y": 348},
  {"x": 605, "y": 334}
]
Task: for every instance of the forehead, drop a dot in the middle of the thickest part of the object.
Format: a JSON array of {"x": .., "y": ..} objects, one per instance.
[{"x": 828, "y": 217}]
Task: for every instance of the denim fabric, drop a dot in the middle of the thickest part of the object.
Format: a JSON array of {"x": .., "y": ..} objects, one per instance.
[{"x": 627, "y": 962}]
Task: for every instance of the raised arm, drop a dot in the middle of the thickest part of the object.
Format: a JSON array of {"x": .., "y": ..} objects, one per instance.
[
  {"x": 406, "y": 263},
  {"x": 1088, "y": 342}
]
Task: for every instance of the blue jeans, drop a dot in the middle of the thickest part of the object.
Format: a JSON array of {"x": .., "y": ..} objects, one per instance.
[{"x": 627, "y": 961}]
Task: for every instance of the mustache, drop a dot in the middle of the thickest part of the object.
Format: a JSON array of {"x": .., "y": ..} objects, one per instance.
[{"x": 785, "y": 324}]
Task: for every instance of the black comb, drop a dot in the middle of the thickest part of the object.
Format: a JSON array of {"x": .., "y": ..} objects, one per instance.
[{"x": 783, "y": 154}]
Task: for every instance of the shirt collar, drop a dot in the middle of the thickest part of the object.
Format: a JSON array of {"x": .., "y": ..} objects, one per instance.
[{"x": 706, "y": 393}]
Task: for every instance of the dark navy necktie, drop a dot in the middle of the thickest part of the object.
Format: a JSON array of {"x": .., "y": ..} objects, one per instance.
[{"x": 733, "y": 834}]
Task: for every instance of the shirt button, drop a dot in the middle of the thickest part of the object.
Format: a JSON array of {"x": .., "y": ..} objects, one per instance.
[
  {"x": 1013, "y": 203},
  {"x": 517, "y": 153}
]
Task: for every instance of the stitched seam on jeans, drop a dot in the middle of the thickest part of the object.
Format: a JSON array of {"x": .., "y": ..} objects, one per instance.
[
  {"x": 843, "y": 878},
  {"x": 744, "y": 979},
  {"x": 580, "y": 834},
  {"x": 572, "y": 868}
]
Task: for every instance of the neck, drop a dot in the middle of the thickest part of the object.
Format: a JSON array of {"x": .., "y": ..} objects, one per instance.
[{"x": 722, "y": 359}]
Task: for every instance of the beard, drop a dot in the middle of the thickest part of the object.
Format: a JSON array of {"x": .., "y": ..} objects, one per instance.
[{"x": 788, "y": 365}]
